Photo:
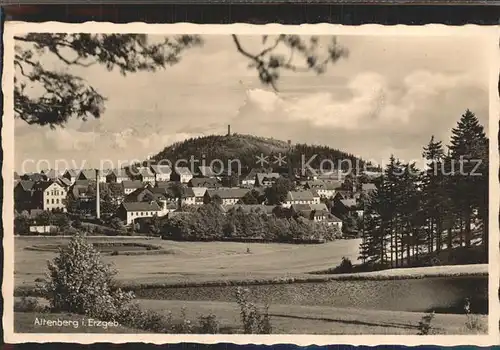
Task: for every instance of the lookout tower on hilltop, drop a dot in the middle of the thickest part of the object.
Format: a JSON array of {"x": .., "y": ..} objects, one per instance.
[{"x": 229, "y": 130}]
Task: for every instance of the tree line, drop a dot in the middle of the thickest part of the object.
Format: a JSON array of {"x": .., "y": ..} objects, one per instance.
[
  {"x": 208, "y": 222},
  {"x": 414, "y": 212}
]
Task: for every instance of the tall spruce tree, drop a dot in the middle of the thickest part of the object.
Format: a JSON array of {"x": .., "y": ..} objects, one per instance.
[{"x": 469, "y": 164}]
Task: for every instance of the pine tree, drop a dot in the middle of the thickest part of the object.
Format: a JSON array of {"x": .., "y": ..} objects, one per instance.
[{"x": 469, "y": 163}]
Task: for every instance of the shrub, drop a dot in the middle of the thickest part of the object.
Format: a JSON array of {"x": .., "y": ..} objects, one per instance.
[
  {"x": 345, "y": 266},
  {"x": 115, "y": 252},
  {"x": 79, "y": 282},
  {"x": 425, "y": 324},
  {"x": 185, "y": 326},
  {"x": 27, "y": 304},
  {"x": 209, "y": 324},
  {"x": 473, "y": 323},
  {"x": 254, "y": 320},
  {"x": 133, "y": 316}
]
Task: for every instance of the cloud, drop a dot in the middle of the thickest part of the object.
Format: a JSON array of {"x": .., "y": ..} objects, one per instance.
[{"x": 372, "y": 103}]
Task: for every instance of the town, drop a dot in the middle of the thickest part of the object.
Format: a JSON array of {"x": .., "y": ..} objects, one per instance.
[{"x": 134, "y": 194}]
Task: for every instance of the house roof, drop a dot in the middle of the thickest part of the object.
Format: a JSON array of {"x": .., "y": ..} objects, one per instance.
[
  {"x": 163, "y": 184},
  {"x": 183, "y": 171},
  {"x": 132, "y": 184},
  {"x": 85, "y": 183},
  {"x": 368, "y": 187},
  {"x": 204, "y": 182},
  {"x": 333, "y": 218},
  {"x": 319, "y": 207},
  {"x": 188, "y": 192},
  {"x": 324, "y": 184},
  {"x": 51, "y": 173},
  {"x": 349, "y": 203},
  {"x": 36, "y": 177},
  {"x": 72, "y": 172},
  {"x": 199, "y": 191},
  {"x": 300, "y": 196},
  {"x": 16, "y": 176},
  {"x": 161, "y": 169},
  {"x": 261, "y": 177},
  {"x": 301, "y": 207},
  {"x": 227, "y": 193},
  {"x": 26, "y": 185},
  {"x": 43, "y": 185},
  {"x": 133, "y": 196},
  {"x": 63, "y": 181},
  {"x": 89, "y": 174},
  {"x": 141, "y": 206}
]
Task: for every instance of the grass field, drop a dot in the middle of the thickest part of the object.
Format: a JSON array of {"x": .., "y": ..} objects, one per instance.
[
  {"x": 197, "y": 261},
  {"x": 200, "y": 277},
  {"x": 286, "y": 319},
  {"x": 24, "y": 322}
]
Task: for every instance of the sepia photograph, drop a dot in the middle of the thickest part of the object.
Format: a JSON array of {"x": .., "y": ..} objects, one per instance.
[{"x": 249, "y": 183}]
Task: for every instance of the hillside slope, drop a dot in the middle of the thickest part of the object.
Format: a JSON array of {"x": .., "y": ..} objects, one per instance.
[{"x": 246, "y": 148}]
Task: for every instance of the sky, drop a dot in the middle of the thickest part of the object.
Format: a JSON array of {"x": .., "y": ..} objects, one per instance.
[{"x": 389, "y": 96}]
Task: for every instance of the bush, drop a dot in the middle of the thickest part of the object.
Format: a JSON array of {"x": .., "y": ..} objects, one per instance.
[
  {"x": 27, "y": 304},
  {"x": 209, "y": 324},
  {"x": 185, "y": 326},
  {"x": 254, "y": 320},
  {"x": 79, "y": 282},
  {"x": 345, "y": 266},
  {"x": 425, "y": 324},
  {"x": 474, "y": 323}
]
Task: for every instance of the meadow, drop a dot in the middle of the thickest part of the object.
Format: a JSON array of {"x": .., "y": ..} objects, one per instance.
[{"x": 202, "y": 277}]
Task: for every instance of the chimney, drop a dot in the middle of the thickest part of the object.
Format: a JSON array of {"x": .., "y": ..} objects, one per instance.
[
  {"x": 229, "y": 130},
  {"x": 98, "y": 197}
]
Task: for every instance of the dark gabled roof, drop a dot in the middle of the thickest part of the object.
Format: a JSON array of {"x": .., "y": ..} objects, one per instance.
[
  {"x": 43, "y": 185},
  {"x": 141, "y": 206},
  {"x": 300, "y": 196},
  {"x": 132, "y": 197},
  {"x": 85, "y": 183},
  {"x": 163, "y": 184},
  {"x": 226, "y": 193},
  {"x": 89, "y": 174},
  {"x": 132, "y": 184},
  {"x": 72, "y": 172},
  {"x": 26, "y": 185},
  {"x": 63, "y": 181},
  {"x": 349, "y": 203},
  {"x": 188, "y": 192},
  {"x": 161, "y": 169},
  {"x": 333, "y": 218},
  {"x": 204, "y": 182},
  {"x": 36, "y": 177}
]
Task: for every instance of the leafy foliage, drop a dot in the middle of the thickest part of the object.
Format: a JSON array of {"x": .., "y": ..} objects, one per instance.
[
  {"x": 64, "y": 95},
  {"x": 425, "y": 324},
  {"x": 255, "y": 321},
  {"x": 79, "y": 282}
]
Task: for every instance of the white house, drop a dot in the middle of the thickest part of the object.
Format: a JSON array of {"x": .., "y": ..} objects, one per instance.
[
  {"x": 324, "y": 188},
  {"x": 130, "y": 186},
  {"x": 300, "y": 197},
  {"x": 129, "y": 211},
  {"x": 184, "y": 173},
  {"x": 146, "y": 175},
  {"x": 199, "y": 194},
  {"x": 162, "y": 172},
  {"x": 227, "y": 195},
  {"x": 49, "y": 195}
]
